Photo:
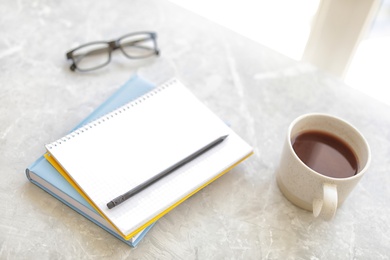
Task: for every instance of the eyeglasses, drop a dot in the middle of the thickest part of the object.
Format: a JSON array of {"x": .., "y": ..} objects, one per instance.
[{"x": 95, "y": 55}]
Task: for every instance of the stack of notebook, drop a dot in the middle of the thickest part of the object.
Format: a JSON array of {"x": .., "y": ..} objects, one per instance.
[{"x": 130, "y": 163}]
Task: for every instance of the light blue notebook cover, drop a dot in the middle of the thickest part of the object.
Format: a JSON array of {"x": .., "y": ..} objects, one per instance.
[{"x": 45, "y": 176}]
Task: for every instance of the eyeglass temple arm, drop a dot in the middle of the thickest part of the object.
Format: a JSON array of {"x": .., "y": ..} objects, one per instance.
[{"x": 116, "y": 44}]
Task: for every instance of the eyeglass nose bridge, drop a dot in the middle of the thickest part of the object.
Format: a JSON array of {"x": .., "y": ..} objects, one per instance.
[{"x": 114, "y": 45}]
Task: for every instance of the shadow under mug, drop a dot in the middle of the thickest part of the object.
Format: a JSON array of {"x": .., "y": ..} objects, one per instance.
[{"x": 309, "y": 189}]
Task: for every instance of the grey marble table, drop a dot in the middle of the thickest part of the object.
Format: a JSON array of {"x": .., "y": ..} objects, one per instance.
[{"x": 242, "y": 215}]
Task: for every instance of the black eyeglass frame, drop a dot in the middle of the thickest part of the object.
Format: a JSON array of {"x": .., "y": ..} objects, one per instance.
[{"x": 114, "y": 45}]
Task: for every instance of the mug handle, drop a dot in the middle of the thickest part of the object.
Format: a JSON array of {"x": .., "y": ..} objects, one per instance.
[{"x": 327, "y": 206}]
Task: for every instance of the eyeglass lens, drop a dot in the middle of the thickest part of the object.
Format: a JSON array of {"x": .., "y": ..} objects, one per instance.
[
  {"x": 92, "y": 56},
  {"x": 137, "y": 46}
]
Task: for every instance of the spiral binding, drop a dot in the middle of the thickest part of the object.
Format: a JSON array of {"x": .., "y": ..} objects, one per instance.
[{"x": 111, "y": 114}]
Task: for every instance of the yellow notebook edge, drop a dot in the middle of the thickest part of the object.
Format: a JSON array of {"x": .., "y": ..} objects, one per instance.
[{"x": 58, "y": 167}]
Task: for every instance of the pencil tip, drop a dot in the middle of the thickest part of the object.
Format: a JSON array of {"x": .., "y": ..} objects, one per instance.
[{"x": 110, "y": 205}]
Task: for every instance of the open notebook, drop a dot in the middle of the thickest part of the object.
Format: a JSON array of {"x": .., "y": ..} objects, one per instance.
[{"x": 113, "y": 154}]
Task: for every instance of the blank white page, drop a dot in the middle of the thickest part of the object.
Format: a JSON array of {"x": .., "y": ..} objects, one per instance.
[{"x": 115, "y": 153}]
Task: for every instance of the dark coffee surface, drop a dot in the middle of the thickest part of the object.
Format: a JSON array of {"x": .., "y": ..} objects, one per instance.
[{"x": 326, "y": 154}]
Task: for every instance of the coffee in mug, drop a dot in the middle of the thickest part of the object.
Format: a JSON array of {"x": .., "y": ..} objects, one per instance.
[{"x": 326, "y": 154}]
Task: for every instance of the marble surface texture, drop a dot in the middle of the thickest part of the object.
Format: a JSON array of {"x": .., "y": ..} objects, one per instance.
[{"x": 242, "y": 215}]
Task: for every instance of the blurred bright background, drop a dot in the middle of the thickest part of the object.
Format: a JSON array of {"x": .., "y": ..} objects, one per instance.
[{"x": 284, "y": 26}]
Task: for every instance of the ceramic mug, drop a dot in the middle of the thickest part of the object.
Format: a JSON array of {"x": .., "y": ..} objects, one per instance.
[{"x": 309, "y": 189}]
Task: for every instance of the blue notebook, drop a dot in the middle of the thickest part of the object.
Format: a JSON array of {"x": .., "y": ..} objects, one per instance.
[{"x": 45, "y": 176}]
